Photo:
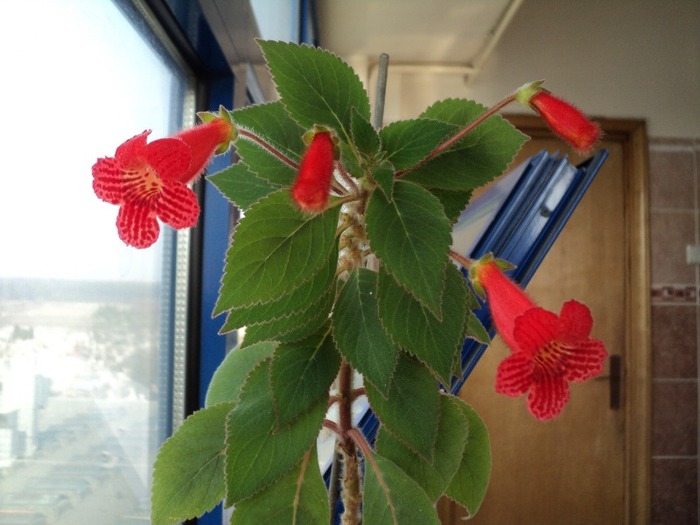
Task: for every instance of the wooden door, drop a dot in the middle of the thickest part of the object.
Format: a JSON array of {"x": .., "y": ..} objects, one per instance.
[{"x": 590, "y": 465}]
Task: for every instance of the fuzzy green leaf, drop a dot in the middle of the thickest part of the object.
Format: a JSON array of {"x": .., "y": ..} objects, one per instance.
[
  {"x": 188, "y": 476},
  {"x": 407, "y": 142},
  {"x": 383, "y": 174},
  {"x": 228, "y": 379},
  {"x": 433, "y": 341},
  {"x": 272, "y": 123},
  {"x": 241, "y": 186},
  {"x": 299, "y": 300},
  {"x": 433, "y": 476},
  {"x": 364, "y": 136},
  {"x": 412, "y": 237},
  {"x": 258, "y": 453},
  {"x": 358, "y": 332},
  {"x": 478, "y": 158},
  {"x": 264, "y": 165},
  {"x": 475, "y": 330},
  {"x": 275, "y": 249},
  {"x": 294, "y": 327},
  {"x": 302, "y": 373},
  {"x": 298, "y": 498},
  {"x": 469, "y": 484},
  {"x": 410, "y": 411},
  {"x": 316, "y": 86},
  {"x": 453, "y": 202},
  {"x": 392, "y": 497}
]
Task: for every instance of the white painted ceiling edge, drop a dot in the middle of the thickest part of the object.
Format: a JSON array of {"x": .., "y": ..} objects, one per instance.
[{"x": 417, "y": 35}]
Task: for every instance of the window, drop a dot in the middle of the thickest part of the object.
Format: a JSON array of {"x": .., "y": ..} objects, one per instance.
[{"x": 87, "y": 325}]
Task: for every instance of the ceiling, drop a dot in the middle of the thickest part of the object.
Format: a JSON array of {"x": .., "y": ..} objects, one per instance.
[
  {"x": 453, "y": 33},
  {"x": 439, "y": 36}
]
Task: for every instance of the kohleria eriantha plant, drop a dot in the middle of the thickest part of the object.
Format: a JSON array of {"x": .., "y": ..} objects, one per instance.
[{"x": 342, "y": 269}]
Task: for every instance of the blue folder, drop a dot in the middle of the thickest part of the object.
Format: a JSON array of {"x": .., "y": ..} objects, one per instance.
[{"x": 517, "y": 219}]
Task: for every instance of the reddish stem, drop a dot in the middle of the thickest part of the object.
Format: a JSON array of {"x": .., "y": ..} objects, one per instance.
[
  {"x": 268, "y": 147},
  {"x": 464, "y": 261},
  {"x": 459, "y": 135}
]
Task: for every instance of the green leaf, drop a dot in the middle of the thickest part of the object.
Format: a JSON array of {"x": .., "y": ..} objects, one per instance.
[
  {"x": 316, "y": 86},
  {"x": 293, "y": 327},
  {"x": 435, "y": 342},
  {"x": 272, "y": 123},
  {"x": 299, "y": 300},
  {"x": 475, "y": 330},
  {"x": 410, "y": 411},
  {"x": 302, "y": 373},
  {"x": 350, "y": 161},
  {"x": 241, "y": 186},
  {"x": 434, "y": 477},
  {"x": 298, "y": 498},
  {"x": 258, "y": 453},
  {"x": 383, "y": 174},
  {"x": 478, "y": 158},
  {"x": 358, "y": 332},
  {"x": 453, "y": 202},
  {"x": 407, "y": 142},
  {"x": 264, "y": 165},
  {"x": 275, "y": 249},
  {"x": 392, "y": 497},
  {"x": 228, "y": 379},
  {"x": 469, "y": 484},
  {"x": 412, "y": 237},
  {"x": 364, "y": 136},
  {"x": 188, "y": 476}
]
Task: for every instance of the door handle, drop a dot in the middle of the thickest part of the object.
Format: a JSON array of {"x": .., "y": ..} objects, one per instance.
[{"x": 615, "y": 371}]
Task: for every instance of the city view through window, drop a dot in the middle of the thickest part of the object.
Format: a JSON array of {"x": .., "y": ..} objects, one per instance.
[{"x": 85, "y": 322}]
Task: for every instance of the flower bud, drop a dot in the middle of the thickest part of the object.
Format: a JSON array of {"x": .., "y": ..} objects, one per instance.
[
  {"x": 564, "y": 119},
  {"x": 311, "y": 189}
]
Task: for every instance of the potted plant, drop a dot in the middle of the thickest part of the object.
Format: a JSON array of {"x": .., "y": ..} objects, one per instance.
[{"x": 342, "y": 274}]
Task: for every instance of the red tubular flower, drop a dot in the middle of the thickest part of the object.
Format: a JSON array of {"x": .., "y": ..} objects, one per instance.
[
  {"x": 548, "y": 350},
  {"x": 150, "y": 180},
  {"x": 565, "y": 120},
  {"x": 311, "y": 189}
]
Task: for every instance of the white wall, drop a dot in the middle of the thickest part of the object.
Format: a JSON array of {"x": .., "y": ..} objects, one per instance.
[{"x": 613, "y": 58}]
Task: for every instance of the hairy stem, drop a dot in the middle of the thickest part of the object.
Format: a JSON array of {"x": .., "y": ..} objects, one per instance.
[
  {"x": 464, "y": 261},
  {"x": 268, "y": 147},
  {"x": 350, "y": 486}
]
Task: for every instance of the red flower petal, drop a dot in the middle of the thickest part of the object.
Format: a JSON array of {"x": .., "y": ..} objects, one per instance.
[
  {"x": 548, "y": 397},
  {"x": 137, "y": 225},
  {"x": 168, "y": 157},
  {"x": 514, "y": 375},
  {"x": 132, "y": 150},
  {"x": 107, "y": 180},
  {"x": 535, "y": 329},
  {"x": 575, "y": 321},
  {"x": 585, "y": 360},
  {"x": 177, "y": 206}
]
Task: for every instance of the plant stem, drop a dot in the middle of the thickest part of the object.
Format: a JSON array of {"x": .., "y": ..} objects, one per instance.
[
  {"x": 268, "y": 147},
  {"x": 464, "y": 261},
  {"x": 459, "y": 135},
  {"x": 350, "y": 485}
]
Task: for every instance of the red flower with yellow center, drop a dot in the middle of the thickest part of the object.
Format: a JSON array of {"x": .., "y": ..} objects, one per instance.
[
  {"x": 548, "y": 350},
  {"x": 149, "y": 181}
]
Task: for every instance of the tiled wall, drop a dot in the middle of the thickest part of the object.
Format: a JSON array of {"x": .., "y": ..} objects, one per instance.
[{"x": 675, "y": 214}]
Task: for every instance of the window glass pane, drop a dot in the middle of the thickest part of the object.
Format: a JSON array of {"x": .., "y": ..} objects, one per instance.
[{"x": 85, "y": 322}]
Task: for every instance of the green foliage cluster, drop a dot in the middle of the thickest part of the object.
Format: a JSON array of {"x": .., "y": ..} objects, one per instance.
[{"x": 367, "y": 284}]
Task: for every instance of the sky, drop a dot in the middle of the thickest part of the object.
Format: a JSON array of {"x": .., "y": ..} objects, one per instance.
[{"x": 78, "y": 81}]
